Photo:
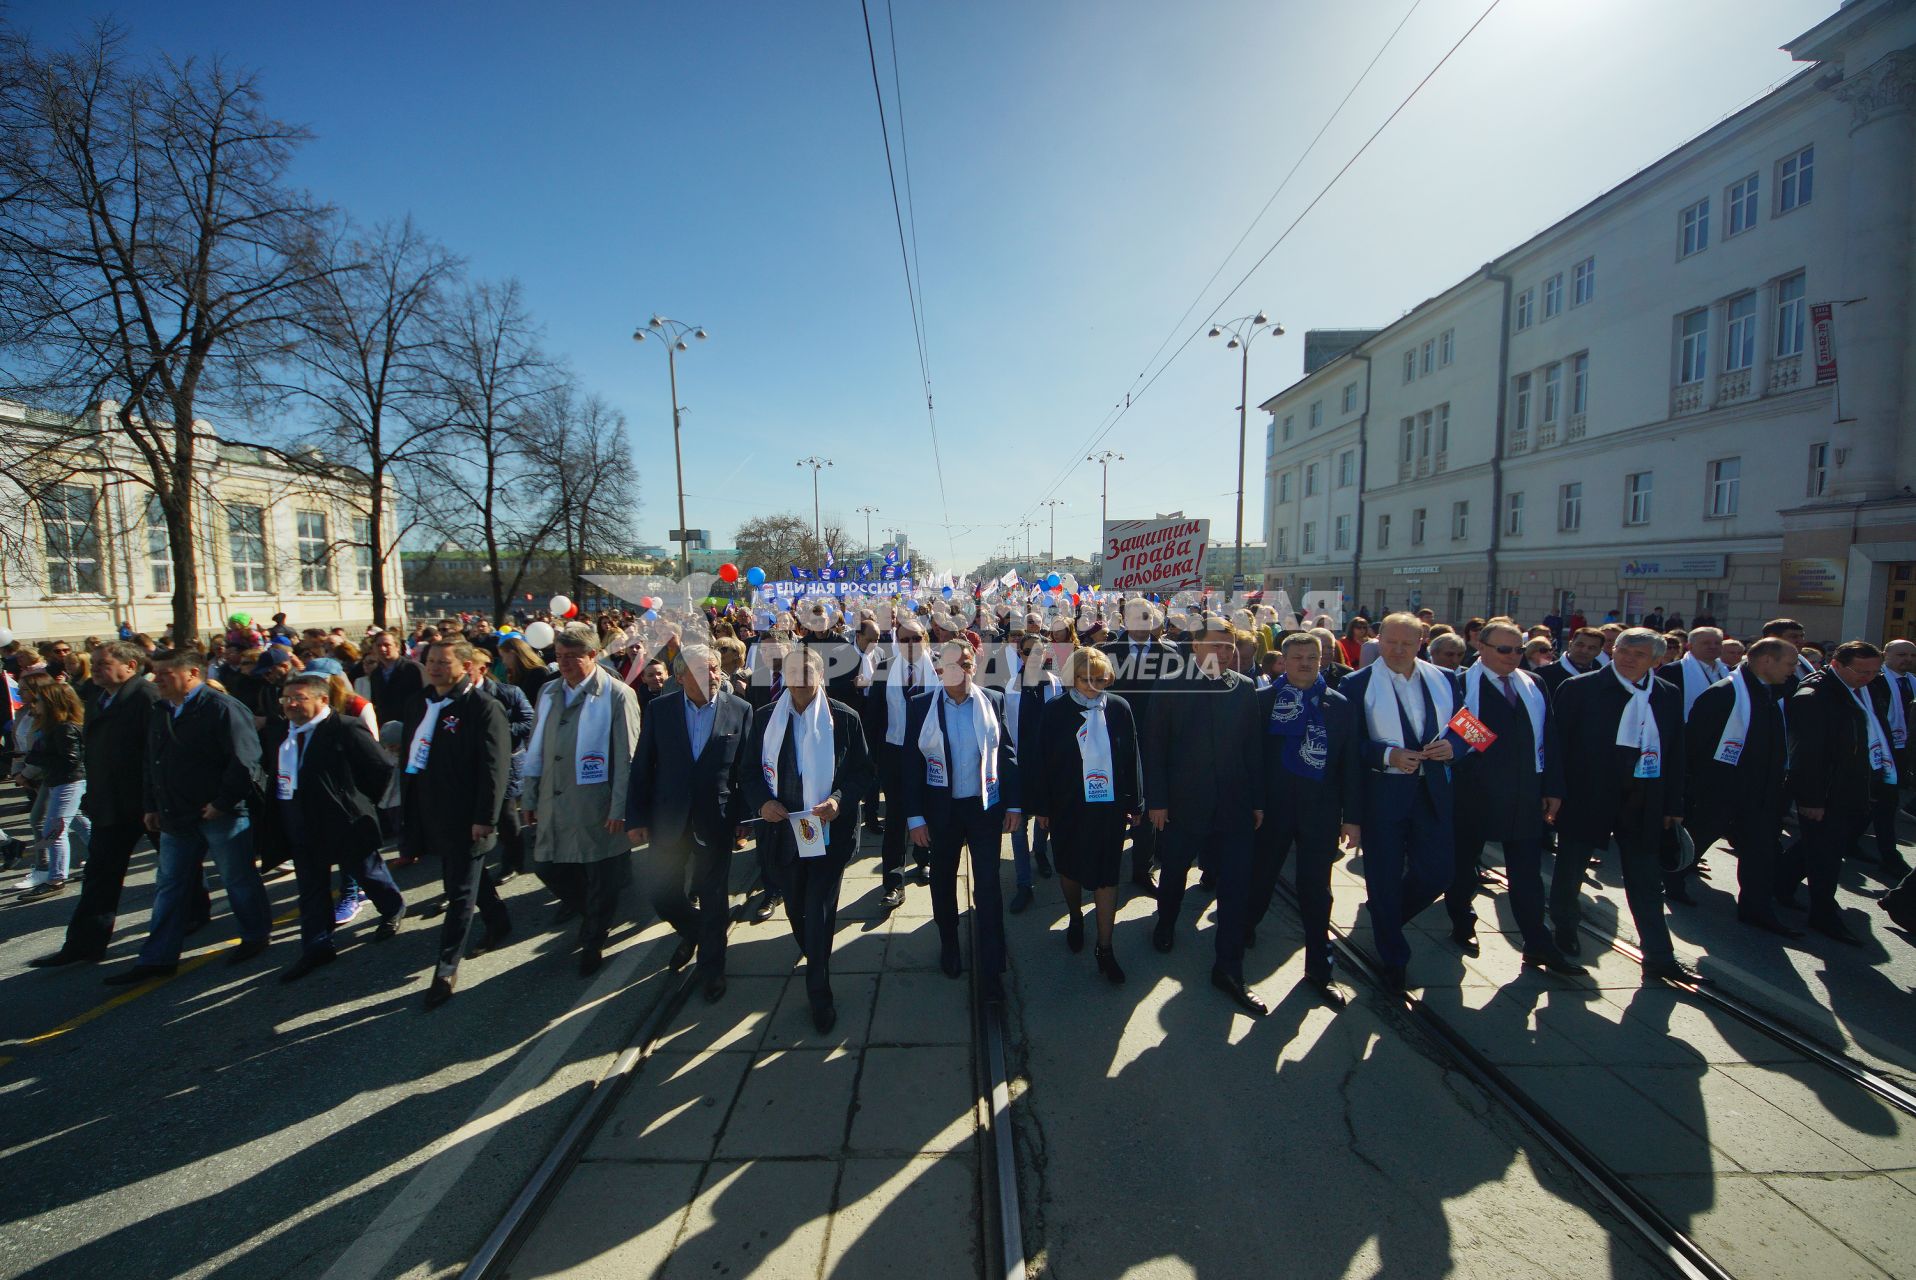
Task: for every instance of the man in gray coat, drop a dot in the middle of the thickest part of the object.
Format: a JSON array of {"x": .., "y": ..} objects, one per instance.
[{"x": 577, "y": 767}]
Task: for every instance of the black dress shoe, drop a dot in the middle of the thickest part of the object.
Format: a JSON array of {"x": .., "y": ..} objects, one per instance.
[
  {"x": 1678, "y": 891},
  {"x": 140, "y": 973},
  {"x": 1832, "y": 926},
  {"x": 1673, "y": 970},
  {"x": 1041, "y": 863},
  {"x": 1163, "y": 935},
  {"x": 894, "y": 897},
  {"x": 1553, "y": 962},
  {"x": 591, "y": 960},
  {"x": 61, "y": 957},
  {"x": 683, "y": 953},
  {"x": 1328, "y": 991},
  {"x": 1234, "y": 987},
  {"x": 767, "y": 907},
  {"x": 439, "y": 992},
  {"x": 950, "y": 961},
  {"x": 824, "y": 1018},
  {"x": 1788, "y": 898},
  {"x": 715, "y": 988},
  {"x": 246, "y": 951},
  {"x": 388, "y": 926},
  {"x": 1465, "y": 936},
  {"x": 1074, "y": 932},
  {"x": 1769, "y": 922},
  {"x": 1020, "y": 901},
  {"x": 1108, "y": 966},
  {"x": 1144, "y": 884},
  {"x": 1569, "y": 941},
  {"x": 1394, "y": 978},
  {"x": 491, "y": 940},
  {"x": 307, "y": 962}
]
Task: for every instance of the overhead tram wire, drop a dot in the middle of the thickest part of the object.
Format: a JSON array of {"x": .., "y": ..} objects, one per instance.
[
  {"x": 904, "y": 156},
  {"x": 1131, "y": 398},
  {"x": 905, "y": 258}
]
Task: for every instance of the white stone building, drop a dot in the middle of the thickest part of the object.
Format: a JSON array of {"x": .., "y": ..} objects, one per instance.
[
  {"x": 88, "y": 550},
  {"x": 1625, "y": 411}
]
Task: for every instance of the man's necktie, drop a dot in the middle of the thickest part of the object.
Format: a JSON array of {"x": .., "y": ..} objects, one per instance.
[{"x": 1510, "y": 692}]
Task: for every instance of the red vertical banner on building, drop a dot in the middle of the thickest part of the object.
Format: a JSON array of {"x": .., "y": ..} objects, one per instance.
[{"x": 1823, "y": 342}]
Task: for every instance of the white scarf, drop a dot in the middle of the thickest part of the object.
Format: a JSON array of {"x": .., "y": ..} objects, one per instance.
[
  {"x": 1637, "y": 727},
  {"x": 1729, "y": 745},
  {"x": 1527, "y": 687},
  {"x": 1804, "y": 667},
  {"x": 1898, "y": 717},
  {"x": 931, "y": 744},
  {"x": 811, "y": 744},
  {"x": 1380, "y": 704},
  {"x": 924, "y": 676},
  {"x": 1094, "y": 752},
  {"x": 421, "y": 747},
  {"x": 1881, "y": 760},
  {"x": 289, "y": 754},
  {"x": 1697, "y": 678},
  {"x": 592, "y": 750},
  {"x": 1015, "y": 690},
  {"x": 1571, "y": 667}
]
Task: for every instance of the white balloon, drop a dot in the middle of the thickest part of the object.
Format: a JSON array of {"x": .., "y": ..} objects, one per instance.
[
  {"x": 561, "y": 605},
  {"x": 6, "y": 637},
  {"x": 539, "y": 634}
]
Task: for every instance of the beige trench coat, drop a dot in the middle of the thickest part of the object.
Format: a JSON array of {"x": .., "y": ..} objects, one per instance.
[{"x": 572, "y": 817}]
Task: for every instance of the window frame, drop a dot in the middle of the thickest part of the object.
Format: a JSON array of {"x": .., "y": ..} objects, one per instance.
[
  {"x": 1819, "y": 472},
  {"x": 1460, "y": 520},
  {"x": 1307, "y": 541},
  {"x": 1316, "y": 415},
  {"x": 1570, "y": 507},
  {"x": 1795, "y": 186},
  {"x": 1446, "y": 348},
  {"x": 1383, "y": 530},
  {"x": 1580, "y": 383},
  {"x": 1341, "y": 533},
  {"x": 1741, "y": 201},
  {"x": 246, "y": 571},
  {"x": 1796, "y": 308},
  {"x": 363, "y": 565},
  {"x": 1310, "y": 480},
  {"x": 1693, "y": 229},
  {"x": 315, "y": 552},
  {"x": 1513, "y": 514},
  {"x": 67, "y": 558},
  {"x": 1583, "y": 282},
  {"x": 1429, "y": 365},
  {"x": 1347, "y": 468},
  {"x": 159, "y": 559},
  {"x": 1725, "y": 492},
  {"x": 1520, "y": 395},
  {"x": 1739, "y": 333},
  {"x": 1418, "y": 518},
  {"x": 1350, "y": 397},
  {"x": 1553, "y": 296},
  {"x": 1637, "y": 497},
  {"x": 1524, "y": 310},
  {"x": 1693, "y": 349},
  {"x": 1552, "y": 392}
]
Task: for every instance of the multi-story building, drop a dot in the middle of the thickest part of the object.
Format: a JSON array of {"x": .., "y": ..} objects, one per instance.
[
  {"x": 88, "y": 547},
  {"x": 1697, "y": 392}
]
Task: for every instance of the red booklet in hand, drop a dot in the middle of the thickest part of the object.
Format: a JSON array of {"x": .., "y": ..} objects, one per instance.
[{"x": 1471, "y": 729}]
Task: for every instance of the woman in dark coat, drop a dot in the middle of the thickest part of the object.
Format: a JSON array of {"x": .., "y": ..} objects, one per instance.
[{"x": 1086, "y": 789}]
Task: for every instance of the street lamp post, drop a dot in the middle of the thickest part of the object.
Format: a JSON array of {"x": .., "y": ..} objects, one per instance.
[
  {"x": 672, "y": 333},
  {"x": 817, "y": 464},
  {"x": 868, "y": 513},
  {"x": 1054, "y": 504},
  {"x": 1242, "y": 330},
  {"x": 1104, "y": 459}
]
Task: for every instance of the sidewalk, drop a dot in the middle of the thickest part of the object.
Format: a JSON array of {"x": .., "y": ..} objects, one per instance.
[{"x": 747, "y": 1144}]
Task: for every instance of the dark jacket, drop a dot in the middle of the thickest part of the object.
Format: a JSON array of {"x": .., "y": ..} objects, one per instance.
[
  {"x": 852, "y": 780},
  {"x": 205, "y": 753},
  {"x": 1499, "y": 793},
  {"x": 1320, "y": 807},
  {"x": 1718, "y": 792},
  {"x": 932, "y": 802},
  {"x": 341, "y": 778},
  {"x": 1829, "y": 744},
  {"x": 116, "y": 754},
  {"x": 463, "y": 784},
  {"x": 392, "y": 692},
  {"x": 1554, "y": 674},
  {"x": 59, "y": 752},
  {"x": 1588, "y": 710},
  {"x": 1051, "y": 764},
  {"x": 1389, "y": 794},
  {"x": 669, "y": 791},
  {"x": 521, "y": 719},
  {"x": 1137, "y": 679},
  {"x": 1204, "y": 752}
]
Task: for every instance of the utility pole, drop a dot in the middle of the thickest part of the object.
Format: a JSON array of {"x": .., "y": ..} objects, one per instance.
[
  {"x": 1242, "y": 330},
  {"x": 1054, "y": 504},
  {"x": 672, "y": 333},
  {"x": 868, "y": 513},
  {"x": 1104, "y": 460},
  {"x": 817, "y": 464}
]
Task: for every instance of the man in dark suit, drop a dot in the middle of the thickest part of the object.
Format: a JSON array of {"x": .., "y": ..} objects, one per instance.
[
  {"x": 393, "y": 680},
  {"x": 960, "y": 783},
  {"x": 457, "y": 757},
  {"x": 1579, "y": 659},
  {"x": 1202, "y": 785},
  {"x": 1144, "y": 662},
  {"x": 1403, "y": 707},
  {"x": 904, "y": 672},
  {"x": 763, "y": 687},
  {"x": 1737, "y": 751},
  {"x": 1309, "y": 788},
  {"x": 815, "y": 769},
  {"x": 1841, "y": 760},
  {"x": 1622, "y": 734},
  {"x": 683, "y": 800},
  {"x": 328, "y": 775},
  {"x": 1506, "y": 792}
]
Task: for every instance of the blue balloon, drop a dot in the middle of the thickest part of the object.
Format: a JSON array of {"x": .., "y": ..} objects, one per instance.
[
  {"x": 946, "y": 591},
  {"x": 651, "y": 615},
  {"x": 1051, "y": 580},
  {"x": 755, "y": 576}
]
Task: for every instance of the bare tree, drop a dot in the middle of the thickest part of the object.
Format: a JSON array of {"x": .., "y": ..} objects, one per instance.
[
  {"x": 585, "y": 457},
  {"x": 152, "y": 254}
]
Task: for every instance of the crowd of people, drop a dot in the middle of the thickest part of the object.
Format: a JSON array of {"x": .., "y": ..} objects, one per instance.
[{"x": 659, "y": 746}]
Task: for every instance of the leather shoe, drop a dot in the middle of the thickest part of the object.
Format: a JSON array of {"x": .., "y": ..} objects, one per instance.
[
  {"x": 1234, "y": 987},
  {"x": 491, "y": 940},
  {"x": 1465, "y": 936},
  {"x": 1769, "y": 923},
  {"x": 950, "y": 961},
  {"x": 1678, "y": 892},
  {"x": 1553, "y": 962},
  {"x": 439, "y": 992},
  {"x": 715, "y": 989},
  {"x": 60, "y": 957},
  {"x": 1042, "y": 863},
  {"x": 894, "y": 897},
  {"x": 246, "y": 951},
  {"x": 1108, "y": 966},
  {"x": 1327, "y": 991},
  {"x": 1162, "y": 935},
  {"x": 1832, "y": 926},
  {"x": 591, "y": 960},
  {"x": 140, "y": 973},
  {"x": 388, "y": 926},
  {"x": 1788, "y": 898},
  {"x": 1394, "y": 978},
  {"x": 683, "y": 953},
  {"x": 1673, "y": 970},
  {"x": 307, "y": 962},
  {"x": 824, "y": 1018},
  {"x": 1569, "y": 941},
  {"x": 1074, "y": 932},
  {"x": 1145, "y": 884},
  {"x": 1020, "y": 901},
  {"x": 766, "y": 908}
]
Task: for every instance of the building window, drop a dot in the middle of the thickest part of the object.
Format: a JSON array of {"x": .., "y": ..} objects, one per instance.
[
  {"x": 1513, "y": 515},
  {"x": 1526, "y": 308},
  {"x": 1410, "y": 364},
  {"x": 1693, "y": 360},
  {"x": 1290, "y": 426},
  {"x": 363, "y": 554},
  {"x": 1310, "y": 479},
  {"x": 1417, "y": 527},
  {"x": 1459, "y": 521},
  {"x": 1636, "y": 498},
  {"x": 1553, "y": 296},
  {"x": 1309, "y": 544},
  {"x": 1740, "y": 350},
  {"x": 1789, "y": 316},
  {"x": 1569, "y": 507},
  {"x": 1580, "y": 383},
  {"x": 1410, "y": 439},
  {"x": 1350, "y": 397},
  {"x": 246, "y": 545},
  {"x": 1523, "y": 402},
  {"x": 159, "y": 547},
  {"x": 73, "y": 539},
  {"x": 1583, "y": 282},
  {"x": 1383, "y": 532},
  {"x": 1696, "y": 228},
  {"x": 1283, "y": 544},
  {"x": 1552, "y": 391},
  {"x": 1819, "y": 468},
  {"x": 1270, "y": 439},
  {"x": 1446, "y": 347},
  {"x": 1430, "y": 355},
  {"x": 1742, "y": 215},
  {"x": 1795, "y": 178},
  {"x": 1423, "y": 435},
  {"x": 1284, "y": 488},
  {"x": 1317, "y": 414},
  {"x": 1341, "y": 533},
  {"x": 1443, "y": 429},
  {"x": 315, "y": 553},
  {"x": 1347, "y": 468},
  {"x": 1725, "y": 479}
]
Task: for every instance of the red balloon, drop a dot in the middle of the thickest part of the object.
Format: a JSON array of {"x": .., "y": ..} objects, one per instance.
[
  {"x": 728, "y": 573},
  {"x": 573, "y": 612}
]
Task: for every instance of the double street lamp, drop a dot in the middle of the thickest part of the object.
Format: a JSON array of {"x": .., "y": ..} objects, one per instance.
[
  {"x": 817, "y": 464},
  {"x": 1241, "y": 331},
  {"x": 672, "y": 333}
]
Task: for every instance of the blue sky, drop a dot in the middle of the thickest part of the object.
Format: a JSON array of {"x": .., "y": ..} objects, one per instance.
[{"x": 1079, "y": 170}]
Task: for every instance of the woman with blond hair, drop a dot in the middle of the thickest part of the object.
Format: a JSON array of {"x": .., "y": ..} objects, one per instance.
[
  {"x": 59, "y": 758},
  {"x": 526, "y": 671}
]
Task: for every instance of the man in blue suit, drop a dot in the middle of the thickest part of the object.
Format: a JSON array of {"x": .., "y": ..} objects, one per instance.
[
  {"x": 1405, "y": 747},
  {"x": 960, "y": 784}
]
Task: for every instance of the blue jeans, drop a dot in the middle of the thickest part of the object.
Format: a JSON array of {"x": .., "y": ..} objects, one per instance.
[
  {"x": 1023, "y": 847},
  {"x": 62, "y": 810},
  {"x": 229, "y": 842}
]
